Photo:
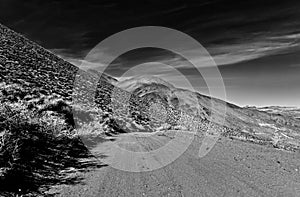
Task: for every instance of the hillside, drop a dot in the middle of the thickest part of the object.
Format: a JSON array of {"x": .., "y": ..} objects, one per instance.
[
  {"x": 279, "y": 130},
  {"x": 38, "y": 137},
  {"x": 292, "y": 112}
]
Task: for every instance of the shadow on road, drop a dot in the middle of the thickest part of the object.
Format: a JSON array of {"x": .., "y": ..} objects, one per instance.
[{"x": 42, "y": 165}]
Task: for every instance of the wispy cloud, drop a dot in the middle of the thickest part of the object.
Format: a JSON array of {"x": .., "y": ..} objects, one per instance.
[{"x": 222, "y": 54}]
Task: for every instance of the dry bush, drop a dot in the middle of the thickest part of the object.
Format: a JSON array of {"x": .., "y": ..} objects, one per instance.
[{"x": 34, "y": 147}]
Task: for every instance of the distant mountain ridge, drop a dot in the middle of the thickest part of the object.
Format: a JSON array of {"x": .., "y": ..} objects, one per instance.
[
  {"x": 103, "y": 76},
  {"x": 248, "y": 124},
  {"x": 135, "y": 82},
  {"x": 292, "y": 112}
]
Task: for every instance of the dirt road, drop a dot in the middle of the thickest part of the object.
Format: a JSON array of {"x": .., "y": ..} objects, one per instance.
[{"x": 232, "y": 168}]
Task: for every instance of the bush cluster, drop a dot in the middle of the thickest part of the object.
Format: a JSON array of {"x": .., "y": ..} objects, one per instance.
[{"x": 34, "y": 148}]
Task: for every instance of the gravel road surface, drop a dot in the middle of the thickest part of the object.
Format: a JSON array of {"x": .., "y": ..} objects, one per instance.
[{"x": 232, "y": 168}]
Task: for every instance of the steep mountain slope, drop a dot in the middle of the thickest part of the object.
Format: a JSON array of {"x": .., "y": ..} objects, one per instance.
[
  {"x": 38, "y": 70},
  {"x": 36, "y": 140},
  {"x": 40, "y": 73},
  {"x": 24, "y": 62}
]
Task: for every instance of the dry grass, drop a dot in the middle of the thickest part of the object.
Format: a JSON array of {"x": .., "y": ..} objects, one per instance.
[{"x": 36, "y": 144}]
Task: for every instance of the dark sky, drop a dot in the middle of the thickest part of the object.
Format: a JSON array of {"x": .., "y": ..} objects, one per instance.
[{"x": 255, "y": 43}]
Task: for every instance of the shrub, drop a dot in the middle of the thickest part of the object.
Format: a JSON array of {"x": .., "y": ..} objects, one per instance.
[{"x": 34, "y": 147}]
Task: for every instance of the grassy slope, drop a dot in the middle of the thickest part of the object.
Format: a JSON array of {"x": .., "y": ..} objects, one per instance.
[{"x": 36, "y": 141}]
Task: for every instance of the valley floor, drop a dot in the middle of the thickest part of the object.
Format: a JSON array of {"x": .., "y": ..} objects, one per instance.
[{"x": 232, "y": 168}]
